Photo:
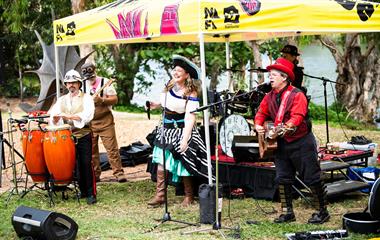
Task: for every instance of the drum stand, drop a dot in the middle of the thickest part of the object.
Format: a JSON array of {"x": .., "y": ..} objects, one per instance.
[
  {"x": 53, "y": 189},
  {"x": 10, "y": 130}
]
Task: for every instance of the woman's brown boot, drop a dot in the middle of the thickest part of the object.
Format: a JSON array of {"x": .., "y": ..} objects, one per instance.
[
  {"x": 189, "y": 193},
  {"x": 159, "y": 198}
]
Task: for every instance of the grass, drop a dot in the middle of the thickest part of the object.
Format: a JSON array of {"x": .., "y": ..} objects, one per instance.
[{"x": 122, "y": 213}]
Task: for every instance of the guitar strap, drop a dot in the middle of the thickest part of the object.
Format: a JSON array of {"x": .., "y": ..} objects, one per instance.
[{"x": 281, "y": 110}]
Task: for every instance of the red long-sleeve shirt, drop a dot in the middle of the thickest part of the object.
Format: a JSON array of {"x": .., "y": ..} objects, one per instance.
[{"x": 298, "y": 109}]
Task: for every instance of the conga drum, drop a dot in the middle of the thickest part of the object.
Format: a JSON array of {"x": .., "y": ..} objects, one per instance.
[
  {"x": 32, "y": 138},
  {"x": 59, "y": 151}
]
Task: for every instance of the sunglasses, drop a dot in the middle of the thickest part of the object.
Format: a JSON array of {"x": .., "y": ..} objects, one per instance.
[{"x": 68, "y": 77}]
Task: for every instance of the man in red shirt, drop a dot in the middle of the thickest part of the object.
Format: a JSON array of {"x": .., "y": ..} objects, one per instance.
[{"x": 297, "y": 150}]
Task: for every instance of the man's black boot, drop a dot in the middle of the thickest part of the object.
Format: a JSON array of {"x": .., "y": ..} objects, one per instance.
[
  {"x": 285, "y": 191},
  {"x": 320, "y": 203}
]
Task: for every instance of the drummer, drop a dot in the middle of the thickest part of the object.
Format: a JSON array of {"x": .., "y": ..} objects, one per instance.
[{"x": 77, "y": 109}]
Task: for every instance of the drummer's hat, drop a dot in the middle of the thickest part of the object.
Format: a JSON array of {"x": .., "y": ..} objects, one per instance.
[
  {"x": 187, "y": 65},
  {"x": 73, "y": 76}
]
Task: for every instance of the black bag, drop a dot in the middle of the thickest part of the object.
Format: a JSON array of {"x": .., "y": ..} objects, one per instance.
[
  {"x": 360, "y": 140},
  {"x": 131, "y": 155},
  {"x": 135, "y": 153},
  {"x": 151, "y": 136},
  {"x": 207, "y": 206}
]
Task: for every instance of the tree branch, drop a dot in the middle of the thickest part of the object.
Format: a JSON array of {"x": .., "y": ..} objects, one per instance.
[
  {"x": 352, "y": 40},
  {"x": 327, "y": 42},
  {"x": 370, "y": 48}
]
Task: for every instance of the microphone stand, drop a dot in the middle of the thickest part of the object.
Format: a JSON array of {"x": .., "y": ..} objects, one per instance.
[
  {"x": 2, "y": 156},
  {"x": 325, "y": 80},
  {"x": 166, "y": 217},
  {"x": 217, "y": 225}
]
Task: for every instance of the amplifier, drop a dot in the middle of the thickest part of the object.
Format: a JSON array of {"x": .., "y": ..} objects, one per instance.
[{"x": 245, "y": 148}]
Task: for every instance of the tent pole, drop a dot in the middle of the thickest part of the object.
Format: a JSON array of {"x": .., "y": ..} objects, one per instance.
[
  {"x": 57, "y": 70},
  {"x": 206, "y": 116},
  {"x": 228, "y": 65}
]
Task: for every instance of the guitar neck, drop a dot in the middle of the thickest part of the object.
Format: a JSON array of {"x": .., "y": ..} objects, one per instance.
[{"x": 108, "y": 83}]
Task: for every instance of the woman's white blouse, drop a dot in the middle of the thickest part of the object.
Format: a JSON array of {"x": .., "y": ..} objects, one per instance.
[{"x": 177, "y": 103}]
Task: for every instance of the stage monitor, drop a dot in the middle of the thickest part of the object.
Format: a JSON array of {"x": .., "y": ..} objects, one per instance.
[{"x": 31, "y": 223}]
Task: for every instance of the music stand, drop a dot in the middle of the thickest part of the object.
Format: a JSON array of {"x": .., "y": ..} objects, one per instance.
[
  {"x": 166, "y": 217},
  {"x": 325, "y": 80}
]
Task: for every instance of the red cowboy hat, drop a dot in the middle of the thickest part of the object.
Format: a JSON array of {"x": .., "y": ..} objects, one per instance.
[{"x": 283, "y": 65}]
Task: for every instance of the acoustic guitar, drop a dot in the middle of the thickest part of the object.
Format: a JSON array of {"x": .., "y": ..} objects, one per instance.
[{"x": 268, "y": 140}]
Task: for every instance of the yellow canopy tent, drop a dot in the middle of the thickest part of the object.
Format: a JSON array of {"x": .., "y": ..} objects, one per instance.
[
  {"x": 128, "y": 21},
  {"x": 141, "y": 21}
]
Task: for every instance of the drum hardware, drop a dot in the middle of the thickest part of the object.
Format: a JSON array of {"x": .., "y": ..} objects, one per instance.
[{"x": 11, "y": 143}]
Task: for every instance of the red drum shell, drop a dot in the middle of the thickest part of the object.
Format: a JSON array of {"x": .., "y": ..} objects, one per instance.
[
  {"x": 34, "y": 155},
  {"x": 59, "y": 150}
]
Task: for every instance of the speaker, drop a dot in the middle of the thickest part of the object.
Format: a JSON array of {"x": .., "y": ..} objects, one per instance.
[
  {"x": 43, "y": 225},
  {"x": 245, "y": 148}
]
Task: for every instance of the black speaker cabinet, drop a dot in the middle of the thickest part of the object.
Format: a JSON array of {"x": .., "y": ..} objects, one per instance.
[
  {"x": 43, "y": 225},
  {"x": 245, "y": 148}
]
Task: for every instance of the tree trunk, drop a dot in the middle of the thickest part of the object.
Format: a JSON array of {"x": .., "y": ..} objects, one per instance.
[
  {"x": 79, "y": 6},
  {"x": 358, "y": 81},
  {"x": 127, "y": 65},
  {"x": 257, "y": 63}
]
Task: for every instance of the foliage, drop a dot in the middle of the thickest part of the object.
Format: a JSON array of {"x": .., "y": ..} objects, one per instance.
[
  {"x": 337, "y": 114},
  {"x": 18, "y": 21}
]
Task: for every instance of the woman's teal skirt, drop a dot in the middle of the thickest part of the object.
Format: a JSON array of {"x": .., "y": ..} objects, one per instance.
[{"x": 172, "y": 165}]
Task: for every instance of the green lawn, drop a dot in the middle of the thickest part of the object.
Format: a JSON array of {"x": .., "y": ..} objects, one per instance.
[{"x": 122, "y": 213}]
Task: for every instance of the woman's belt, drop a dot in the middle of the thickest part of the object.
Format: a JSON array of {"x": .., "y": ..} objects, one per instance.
[{"x": 171, "y": 123}]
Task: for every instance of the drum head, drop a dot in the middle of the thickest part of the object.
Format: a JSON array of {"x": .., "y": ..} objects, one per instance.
[
  {"x": 59, "y": 127},
  {"x": 374, "y": 199},
  {"x": 231, "y": 126}
]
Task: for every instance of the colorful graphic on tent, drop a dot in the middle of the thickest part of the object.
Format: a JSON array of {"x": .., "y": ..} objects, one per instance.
[{"x": 363, "y": 9}]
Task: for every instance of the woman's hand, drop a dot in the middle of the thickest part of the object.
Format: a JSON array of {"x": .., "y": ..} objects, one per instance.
[
  {"x": 183, "y": 146},
  {"x": 152, "y": 105}
]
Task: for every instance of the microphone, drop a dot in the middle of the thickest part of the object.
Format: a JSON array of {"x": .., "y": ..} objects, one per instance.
[
  {"x": 147, "y": 105},
  {"x": 263, "y": 70},
  {"x": 264, "y": 87},
  {"x": 200, "y": 109}
]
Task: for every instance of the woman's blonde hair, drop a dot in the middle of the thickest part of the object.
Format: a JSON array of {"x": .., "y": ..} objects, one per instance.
[{"x": 191, "y": 86}]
